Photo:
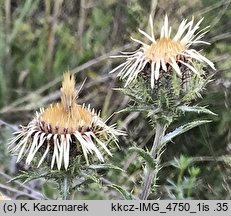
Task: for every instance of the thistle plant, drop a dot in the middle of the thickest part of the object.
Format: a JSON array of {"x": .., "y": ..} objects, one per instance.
[
  {"x": 163, "y": 78},
  {"x": 64, "y": 140}
]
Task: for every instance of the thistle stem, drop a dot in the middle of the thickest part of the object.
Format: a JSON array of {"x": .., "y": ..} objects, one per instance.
[
  {"x": 152, "y": 174},
  {"x": 65, "y": 190}
]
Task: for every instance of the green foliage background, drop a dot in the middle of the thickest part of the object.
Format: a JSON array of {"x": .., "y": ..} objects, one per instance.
[{"x": 40, "y": 39}]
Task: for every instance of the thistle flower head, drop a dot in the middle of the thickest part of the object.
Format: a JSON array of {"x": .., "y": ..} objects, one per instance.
[
  {"x": 63, "y": 131},
  {"x": 166, "y": 53},
  {"x": 3, "y": 197}
]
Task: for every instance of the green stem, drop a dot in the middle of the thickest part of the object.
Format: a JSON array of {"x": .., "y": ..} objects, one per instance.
[
  {"x": 190, "y": 187},
  {"x": 152, "y": 174},
  {"x": 179, "y": 183},
  {"x": 65, "y": 190}
]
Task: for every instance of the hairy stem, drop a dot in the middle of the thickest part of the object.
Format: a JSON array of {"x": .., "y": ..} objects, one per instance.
[
  {"x": 65, "y": 189},
  {"x": 152, "y": 174}
]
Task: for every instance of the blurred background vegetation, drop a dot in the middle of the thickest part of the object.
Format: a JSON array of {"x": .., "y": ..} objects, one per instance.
[{"x": 40, "y": 39}]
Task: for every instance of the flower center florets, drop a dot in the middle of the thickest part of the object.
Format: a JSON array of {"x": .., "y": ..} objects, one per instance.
[
  {"x": 56, "y": 120},
  {"x": 164, "y": 49}
]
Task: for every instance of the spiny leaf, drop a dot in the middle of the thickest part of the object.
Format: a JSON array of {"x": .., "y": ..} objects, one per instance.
[
  {"x": 122, "y": 191},
  {"x": 139, "y": 109},
  {"x": 135, "y": 96},
  {"x": 145, "y": 155},
  {"x": 23, "y": 176},
  {"x": 27, "y": 177},
  {"x": 88, "y": 179},
  {"x": 196, "y": 109},
  {"x": 182, "y": 129},
  {"x": 105, "y": 166}
]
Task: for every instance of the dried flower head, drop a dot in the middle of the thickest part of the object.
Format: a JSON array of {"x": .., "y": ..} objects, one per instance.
[
  {"x": 64, "y": 130},
  {"x": 165, "y": 53}
]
